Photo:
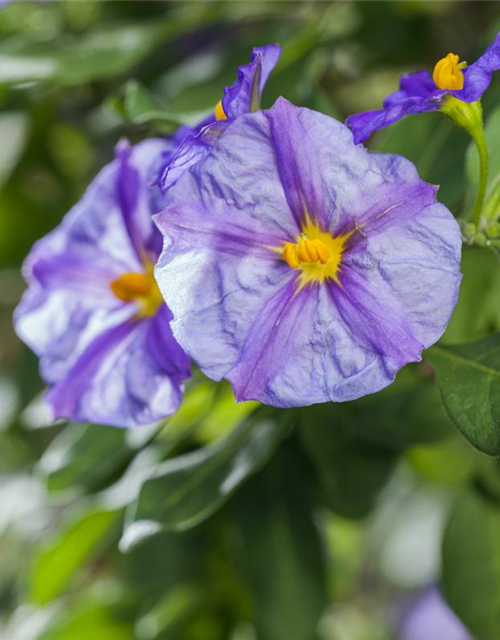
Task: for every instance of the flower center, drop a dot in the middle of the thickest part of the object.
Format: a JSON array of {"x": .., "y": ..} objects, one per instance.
[
  {"x": 448, "y": 73},
  {"x": 316, "y": 254},
  {"x": 219, "y": 112},
  {"x": 141, "y": 288}
]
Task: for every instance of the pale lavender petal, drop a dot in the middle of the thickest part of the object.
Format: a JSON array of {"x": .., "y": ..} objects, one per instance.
[{"x": 131, "y": 374}]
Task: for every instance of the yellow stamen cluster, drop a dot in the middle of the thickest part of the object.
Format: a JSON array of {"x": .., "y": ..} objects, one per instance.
[
  {"x": 448, "y": 73},
  {"x": 316, "y": 253},
  {"x": 219, "y": 112},
  {"x": 141, "y": 288},
  {"x": 306, "y": 251}
]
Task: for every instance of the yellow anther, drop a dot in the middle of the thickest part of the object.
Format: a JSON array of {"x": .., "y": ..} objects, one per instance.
[
  {"x": 220, "y": 114},
  {"x": 138, "y": 287},
  {"x": 448, "y": 73},
  {"x": 290, "y": 255}
]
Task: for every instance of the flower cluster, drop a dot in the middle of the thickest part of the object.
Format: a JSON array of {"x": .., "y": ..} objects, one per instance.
[{"x": 264, "y": 245}]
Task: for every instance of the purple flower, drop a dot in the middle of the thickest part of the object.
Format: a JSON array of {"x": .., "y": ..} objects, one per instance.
[
  {"x": 93, "y": 312},
  {"x": 419, "y": 92},
  {"x": 429, "y": 618},
  {"x": 301, "y": 267},
  {"x": 189, "y": 145}
]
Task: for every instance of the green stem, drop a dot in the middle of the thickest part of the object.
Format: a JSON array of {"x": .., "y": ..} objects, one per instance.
[{"x": 482, "y": 150}]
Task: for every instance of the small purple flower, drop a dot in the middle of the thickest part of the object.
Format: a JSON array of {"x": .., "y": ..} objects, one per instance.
[
  {"x": 93, "y": 312},
  {"x": 419, "y": 92},
  {"x": 301, "y": 267},
  {"x": 430, "y": 618},
  {"x": 189, "y": 145}
]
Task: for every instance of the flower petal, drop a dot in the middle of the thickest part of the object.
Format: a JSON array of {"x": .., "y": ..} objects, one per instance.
[{"x": 130, "y": 375}]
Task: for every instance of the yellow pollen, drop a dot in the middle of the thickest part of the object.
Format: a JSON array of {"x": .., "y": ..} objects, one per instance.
[
  {"x": 315, "y": 253},
  {"x": 220, "y": 114},
  {"x": 141, "y": 288},
  {"x": 448, "y": 73}
]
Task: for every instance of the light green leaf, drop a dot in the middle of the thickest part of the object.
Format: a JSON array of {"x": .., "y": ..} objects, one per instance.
[
  {"x": 102, "y": 53},
  {"x": 139, "y": 106},
  {"x": 61, "y": 558},
  {"x": 469, "y": 380},
  {"x": 13, "y": 134},
  {"x": 280, "y": 550},
  {"x": 471, "y": 565},
  {"x": 186, "y": 490}
]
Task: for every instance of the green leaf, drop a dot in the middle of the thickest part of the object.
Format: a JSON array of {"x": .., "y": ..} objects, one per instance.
[
  {"x": 351, "y": 472},
  {"x": 84, "y": 456},
  {"x": 13, "y": 134},
  {"x": 60, "y": 559},
  {"x": 139, "y": 106},
  {"x": 280, "y": 550},
  {"x": 469, "y": 381},
  {"x": 471, "y": 565},
  {"x": 186, "y": 490},
  {"x": 102, "y": 53},
  {"x": 477, "y": 313},
  {"x": 440, "y": 159}
]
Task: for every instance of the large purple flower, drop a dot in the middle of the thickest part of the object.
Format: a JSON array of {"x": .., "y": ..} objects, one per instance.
[
  {"x": 189, "y": 145},
  {"x": 301, "y": 267},
  {"x": 419, "y": 92},
  {"x": 93, "y": 312}
]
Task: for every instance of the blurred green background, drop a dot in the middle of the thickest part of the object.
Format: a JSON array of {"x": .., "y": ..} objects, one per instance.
[{"x": 339, "y": 521}]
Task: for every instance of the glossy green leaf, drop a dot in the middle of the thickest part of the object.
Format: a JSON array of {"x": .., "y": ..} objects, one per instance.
[
  {"x": 469, "y": 381},
  {"x": 351, "y": 472},
  {"x": 60, "y": 559},
  {"x": 279, "y": 550},
  {"x": 471, "y": 565},
  {"x": 187, "y": 489}
]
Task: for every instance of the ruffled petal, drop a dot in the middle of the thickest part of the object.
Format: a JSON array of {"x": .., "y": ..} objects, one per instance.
[
  {"x": 477, "y": 76},
  {"x": 130, "y": 375},
  {"x": 244, "y": 95}
]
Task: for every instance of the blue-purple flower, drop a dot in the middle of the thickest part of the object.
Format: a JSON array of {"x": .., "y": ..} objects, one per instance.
[
  {"x": 301, "y": 267},
  {"x": 189, "y": 145},
  {"x": 419, "y": 92},
  {"x": 430, "y": 618},
  {"x": 93, "y": 312}
]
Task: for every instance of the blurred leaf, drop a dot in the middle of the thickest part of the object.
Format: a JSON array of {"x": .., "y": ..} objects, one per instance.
[
  {"x": 469, "y": 381},
  {"x": 447, "y": 463},
  {"x": 280, "y": 550},
  {"x": 59, "y": 560},
  {"x": 406, "y": 413},
  {"x": 471, "y": 565},
  {"x": 186, "y": 490},
  {"x": 351, "y": 472},
  {"x": 176, "y": 607},
  {"x": 440, "y": 159},
  {"x": 103, "y": 53},
  {"x": 13, "y": 134},
  {"x": 84, "y": 456},
  {"x": 477, "y": 313},
  {"x": 139, "y": 106}
]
